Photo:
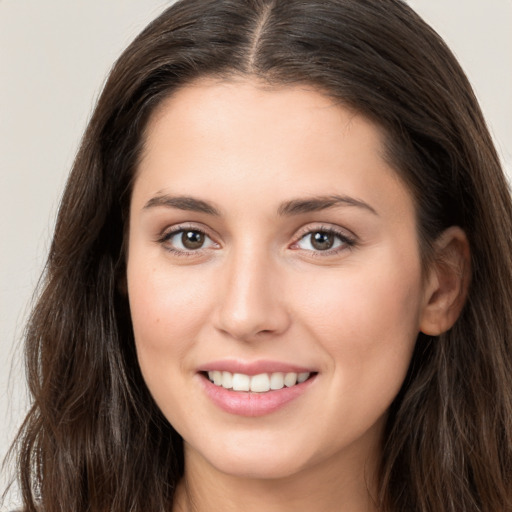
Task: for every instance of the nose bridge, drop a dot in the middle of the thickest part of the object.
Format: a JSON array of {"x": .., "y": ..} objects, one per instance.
[{"x": 250, "y": 302}]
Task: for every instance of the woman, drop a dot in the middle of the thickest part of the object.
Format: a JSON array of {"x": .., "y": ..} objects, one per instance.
[{"x": 280, "y": 276}]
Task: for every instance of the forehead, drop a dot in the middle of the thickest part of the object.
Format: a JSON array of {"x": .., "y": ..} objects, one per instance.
[
  {"x": 247, "y": 139},
  {"x": 253, "y": 114}
]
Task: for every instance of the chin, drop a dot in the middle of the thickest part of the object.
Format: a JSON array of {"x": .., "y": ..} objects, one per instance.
[
  {"x": 259, "y": 461},
  {"x": 273, "y": 468}
]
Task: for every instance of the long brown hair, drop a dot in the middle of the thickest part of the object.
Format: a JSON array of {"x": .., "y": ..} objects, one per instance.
[{"x": 94, "y": 440}]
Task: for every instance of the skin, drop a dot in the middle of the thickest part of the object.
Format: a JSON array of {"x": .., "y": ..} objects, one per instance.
[{"x": 259, "y": 290}]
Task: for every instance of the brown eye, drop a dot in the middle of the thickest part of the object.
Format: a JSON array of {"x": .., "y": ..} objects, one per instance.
[
  {"x": 187, "y": 241},
  {"x": 192, "y": 239},
  {"x": 322, "y": 241},
  {"x": 325, "y": 240}
]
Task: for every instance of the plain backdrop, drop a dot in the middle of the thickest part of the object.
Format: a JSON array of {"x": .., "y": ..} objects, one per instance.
[{"x": 54, "y": 57}]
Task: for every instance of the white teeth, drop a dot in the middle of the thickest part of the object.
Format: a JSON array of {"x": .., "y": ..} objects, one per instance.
[
  {"x": 301, "y": 377},
  {"x": 277, "y": 380},
  {"x": 227, "y": 380},
  {"x": 260, "y": 383},
  {"x": 290, "y": 379},
  {"x": 257, "y": 383},
  {"x": 241, "y": 382},
  {"x": 216, "y": 377}
]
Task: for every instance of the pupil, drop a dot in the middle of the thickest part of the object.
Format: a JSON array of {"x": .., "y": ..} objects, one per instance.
[
  {"x": 322, "y": 241},
  {"x": 192, "y": 239}
]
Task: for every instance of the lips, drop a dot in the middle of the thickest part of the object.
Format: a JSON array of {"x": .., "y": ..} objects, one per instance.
[{"x": 256, "y": 388}]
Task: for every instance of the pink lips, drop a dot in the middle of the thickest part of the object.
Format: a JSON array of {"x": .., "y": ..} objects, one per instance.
[{"x": 248, "y": 403}]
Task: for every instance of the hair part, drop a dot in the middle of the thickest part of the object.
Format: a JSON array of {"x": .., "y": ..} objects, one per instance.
[{"x": 95, "y": 439}]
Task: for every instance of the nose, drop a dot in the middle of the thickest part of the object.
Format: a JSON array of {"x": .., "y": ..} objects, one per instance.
[{"x": 251, "y": 299}]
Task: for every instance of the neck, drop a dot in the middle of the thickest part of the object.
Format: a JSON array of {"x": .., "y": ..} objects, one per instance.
[{"x": 330, "y": 486}]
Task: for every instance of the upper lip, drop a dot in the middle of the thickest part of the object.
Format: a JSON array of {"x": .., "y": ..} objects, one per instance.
[{"x": 252, "y": 367}]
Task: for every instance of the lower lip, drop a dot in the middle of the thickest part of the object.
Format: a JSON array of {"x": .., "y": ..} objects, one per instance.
[{"x": 244, "y": 403}]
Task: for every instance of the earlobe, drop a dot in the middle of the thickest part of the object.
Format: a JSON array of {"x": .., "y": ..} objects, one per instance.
[{"x": 448, "y": 282}]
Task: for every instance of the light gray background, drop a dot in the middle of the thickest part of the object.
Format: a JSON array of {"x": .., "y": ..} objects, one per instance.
[{"x": 54, "y": 57}]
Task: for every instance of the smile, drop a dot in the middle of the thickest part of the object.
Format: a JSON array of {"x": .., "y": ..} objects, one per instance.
[
  {"x": 260, "y": 383},
  {"x": 255, "y": 394}
]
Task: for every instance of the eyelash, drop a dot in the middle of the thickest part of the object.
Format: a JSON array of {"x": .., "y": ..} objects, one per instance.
[
  {"x": 347, "y": 242},
  {"x": 166, "y": 236}
]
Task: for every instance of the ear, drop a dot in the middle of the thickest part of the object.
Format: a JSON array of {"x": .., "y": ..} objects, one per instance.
[{"x": 447, "y": 283}]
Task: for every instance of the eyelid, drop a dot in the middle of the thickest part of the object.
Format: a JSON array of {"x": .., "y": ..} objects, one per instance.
[
  {"x": 170, "y": 231},
  {"x": 348, "y": 238},
  {"x": 314, "y": 227}
]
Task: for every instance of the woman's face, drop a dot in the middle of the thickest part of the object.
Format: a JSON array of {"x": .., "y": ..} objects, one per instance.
[{"x": 269, "y": 243}]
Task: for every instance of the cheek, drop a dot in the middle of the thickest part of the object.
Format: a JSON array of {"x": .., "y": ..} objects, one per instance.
[
  {"x": 357, "y": 302},
  {"x": 167, "y": 312},
  {"x": 367, "y": 321}
]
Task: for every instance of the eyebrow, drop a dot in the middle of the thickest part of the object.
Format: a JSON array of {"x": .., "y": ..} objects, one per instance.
[
  {"x": 186, "y": 203},
  {"x": 289, "y": 208},
  {"x": 315, "y": 204}
]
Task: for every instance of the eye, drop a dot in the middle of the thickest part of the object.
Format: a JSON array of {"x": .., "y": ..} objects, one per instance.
[
  {"x": 184, "y": 240},
  {"x": 324, "y": 240}
]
